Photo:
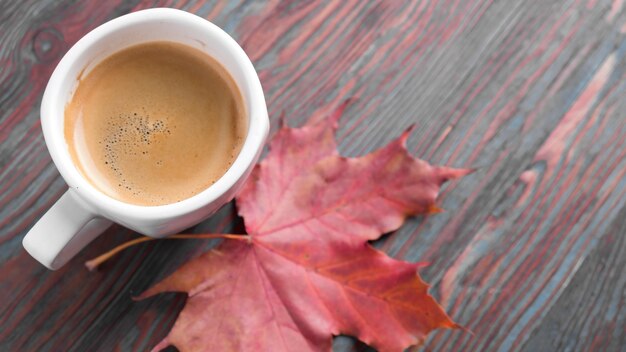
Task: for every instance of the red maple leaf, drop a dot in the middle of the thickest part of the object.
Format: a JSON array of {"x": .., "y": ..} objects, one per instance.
[{"x": 305, "y": 271}]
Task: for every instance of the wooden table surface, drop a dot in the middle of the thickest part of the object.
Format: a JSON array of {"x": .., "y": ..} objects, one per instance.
[{"x": 531, "y": 252}]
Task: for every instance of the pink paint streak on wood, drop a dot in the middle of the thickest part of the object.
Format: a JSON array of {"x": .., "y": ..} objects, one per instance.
[
  {"x": 474, "y": 252},
  {"x": 529, "y": 178},
  {"x": 616, "y": 8},
  {"x": 553, "y": 148}
]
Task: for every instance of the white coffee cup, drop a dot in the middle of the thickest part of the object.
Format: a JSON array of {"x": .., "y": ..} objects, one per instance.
[{"x": 84, "y": 212}]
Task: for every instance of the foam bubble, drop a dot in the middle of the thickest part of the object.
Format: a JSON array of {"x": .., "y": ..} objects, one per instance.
[{"x": 134, "y": 136}]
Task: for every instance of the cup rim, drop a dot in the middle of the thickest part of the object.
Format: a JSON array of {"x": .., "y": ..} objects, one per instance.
[{"x": 258, "y": 123}]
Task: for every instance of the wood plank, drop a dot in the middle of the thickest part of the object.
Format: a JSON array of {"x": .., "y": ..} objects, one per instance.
[
  {"x": 529, "y": 93},
  {"x": 589, "y": 315}
]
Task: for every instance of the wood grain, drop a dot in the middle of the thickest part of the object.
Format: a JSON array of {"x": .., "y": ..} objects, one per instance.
[{"x": 530, "y": 254}]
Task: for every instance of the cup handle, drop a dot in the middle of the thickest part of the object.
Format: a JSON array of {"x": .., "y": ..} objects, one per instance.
[{"x": 63, "y": 231}]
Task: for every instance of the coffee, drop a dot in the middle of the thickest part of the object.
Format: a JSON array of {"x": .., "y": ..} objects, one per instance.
[{"x": 155, "y": 123}]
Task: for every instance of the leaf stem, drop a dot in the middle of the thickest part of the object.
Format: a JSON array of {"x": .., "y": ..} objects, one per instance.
[{"x": 95, "y": 262}]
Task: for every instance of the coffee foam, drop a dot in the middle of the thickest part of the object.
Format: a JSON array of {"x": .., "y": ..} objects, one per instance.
[
  {"x": 128, "y": 141},
  {"x": 155, "y": 124}
]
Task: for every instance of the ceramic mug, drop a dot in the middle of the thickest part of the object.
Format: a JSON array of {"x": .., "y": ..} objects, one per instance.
[{"x": 84, "y": 212}]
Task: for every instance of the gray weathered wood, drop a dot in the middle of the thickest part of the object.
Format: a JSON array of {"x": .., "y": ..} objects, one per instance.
[{"x": 530, "y": 253}]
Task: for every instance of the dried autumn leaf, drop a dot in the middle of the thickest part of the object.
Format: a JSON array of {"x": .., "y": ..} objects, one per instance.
[{"x": 307, "y": 271}]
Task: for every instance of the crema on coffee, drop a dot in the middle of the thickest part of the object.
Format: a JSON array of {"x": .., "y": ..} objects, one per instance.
[{"x": 155, "y": 123}]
